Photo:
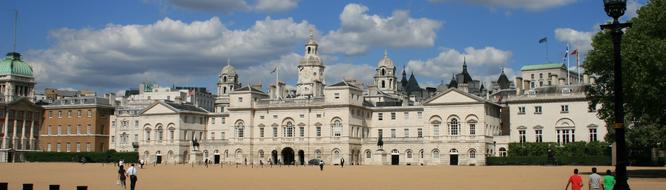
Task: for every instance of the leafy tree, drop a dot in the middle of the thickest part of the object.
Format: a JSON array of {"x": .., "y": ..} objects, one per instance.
[{"x": 643, "y": 79}]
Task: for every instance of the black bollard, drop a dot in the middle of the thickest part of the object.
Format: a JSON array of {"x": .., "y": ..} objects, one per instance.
[
  {"x": 81, "y": 187},
  {"x": 4, "y": 186},
  {"x": 54, "y": 187},
  {"x": 27, "y": 186}
]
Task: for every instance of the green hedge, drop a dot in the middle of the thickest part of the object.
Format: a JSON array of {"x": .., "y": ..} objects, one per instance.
[
  {"x": 576, "y": 153},
  {"x": 110, "y": 156},
  {"x": 543, "y": 160}
]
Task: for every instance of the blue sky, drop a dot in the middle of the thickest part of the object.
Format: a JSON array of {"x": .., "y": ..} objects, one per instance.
[{"x": 113, "y": 45}]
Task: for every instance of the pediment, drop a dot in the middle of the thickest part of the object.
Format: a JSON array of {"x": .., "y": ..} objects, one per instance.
[
  {"x": 454, "y": 96},
  {"x": 159, "y": 108}
]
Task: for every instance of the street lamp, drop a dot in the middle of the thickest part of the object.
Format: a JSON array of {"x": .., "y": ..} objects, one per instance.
[{"x": 615, "y": 9}]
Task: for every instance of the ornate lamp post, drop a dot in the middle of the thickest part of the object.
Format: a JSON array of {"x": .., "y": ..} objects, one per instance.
[{"x": 615, "y": 9}]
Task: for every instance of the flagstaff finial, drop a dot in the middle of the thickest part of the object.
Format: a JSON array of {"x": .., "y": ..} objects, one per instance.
[
  {"x": 14, "y": 36},
  {"x": 385, "y": 52},
  {"x": 228, "y": 61}
]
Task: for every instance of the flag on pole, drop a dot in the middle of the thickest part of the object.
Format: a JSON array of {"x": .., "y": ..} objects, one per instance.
[
  {"x": 543, "y": 40},
  {"x": 274, "y": 69},
  {"x": 574, "y": 52}
]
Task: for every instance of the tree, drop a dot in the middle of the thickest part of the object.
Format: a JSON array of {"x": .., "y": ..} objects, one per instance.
[{"x": 644, "y": 80}]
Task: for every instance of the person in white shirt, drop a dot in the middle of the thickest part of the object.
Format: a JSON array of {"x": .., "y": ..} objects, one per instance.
[
  {"x": 132, "y": 174},
  {"x": 120, "y": 163},
  {"x": 141, "y": 162}
]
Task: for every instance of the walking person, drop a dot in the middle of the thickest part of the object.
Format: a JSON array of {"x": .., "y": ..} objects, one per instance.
[
  {"x": 609, "y": 180},
  {"x": 141, "y": 162},
  {"x": 131, "y": 172},
  {"x": 595, "y": 180},
  {"x": 121, "y": 163},
  {"x": 321, "y": 165},
  {"x": 342, "y": 162},
  {"x": 122, "y": 178},
  {"x": 575, "y": 181},
  {"x": 206, "y": 162}
]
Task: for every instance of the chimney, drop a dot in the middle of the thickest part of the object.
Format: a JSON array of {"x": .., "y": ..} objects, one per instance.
[
  {"x": 519, "y": 85},
  {"x": 553, "y": 80},
  {"x": 586, "y": 79}
]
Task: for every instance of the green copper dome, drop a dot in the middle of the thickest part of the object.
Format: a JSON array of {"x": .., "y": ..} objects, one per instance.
[{"x": 12, "y": 64}]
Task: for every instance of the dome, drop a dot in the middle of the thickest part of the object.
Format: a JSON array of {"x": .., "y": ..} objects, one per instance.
[
  {"x": 229, "y": 70},
  {"x": 386, "y": 62},
  {"x": 12, "y": 64}
]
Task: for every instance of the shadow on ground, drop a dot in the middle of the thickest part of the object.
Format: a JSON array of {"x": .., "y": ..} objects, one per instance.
[{"x": 639, "y": 173}]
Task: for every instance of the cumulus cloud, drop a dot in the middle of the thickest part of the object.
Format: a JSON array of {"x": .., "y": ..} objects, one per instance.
[
  {"x": 483, "y": 64},
  {"x": 276, "y": 5},
  {"x": 360, "y": 31},
  {"x": 213, "y": 5},
  {"x": 532, "y": 5},
  {"x": 340, "y": 71},
  {"x": 577, "y": 39},
  {"x": 632, "y": 8},
  {"x": 118, "y": 56}
]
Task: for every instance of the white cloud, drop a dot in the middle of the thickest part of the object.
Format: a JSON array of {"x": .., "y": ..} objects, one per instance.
[
  {"x": 483, "y": 64},
  {"x": 340, "y": 71},
  {"x": 360, "y": 31},
  {"x": 119, "y": 56},
  {"x": 262, "y": 73},
  {"x": 577, "y": 39},
  {"x": 632, "y": 8},
  {"x": 276, "y": 5},
  {"x": 533, "y": 5},
  {"x": 213, "y": 5}
]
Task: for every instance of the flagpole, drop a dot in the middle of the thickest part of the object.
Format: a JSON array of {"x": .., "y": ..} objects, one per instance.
[
  {"x": 277, "y": 82},
  {"x": 578, "y": 65},
  {"x": 14, "y": 37},
  {"x": 547, "y": 58},
  {"x": 568, "y": 65}
]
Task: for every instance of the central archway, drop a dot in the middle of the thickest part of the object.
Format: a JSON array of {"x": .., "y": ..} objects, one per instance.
[{"x": 288, "y": 156}]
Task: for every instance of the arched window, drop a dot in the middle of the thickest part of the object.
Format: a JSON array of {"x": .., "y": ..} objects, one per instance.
[
  {"x": 224, "y": 78},
  {"x": 147, "y": 135},
  {"x": 290, "y": 129},
  {"x": 421, "y": 153},
  {"x": 240, "y": 129},
  {"x": 383, "y": 84},
  {"x": 318, "y": 154},
  {"x": 224, "y": 90},
  {"x": 160, "y": 133},
  {"x": 454, "y": 126},
  {"x": 472, "y": 153},
  {"x": 337, "y": 128},
  {"x": 261, "y": 153},
  {"x": 409, "y": 153},
  {"x": 368, "y": 154},
  {"x": 171, "y": 133},
  {"x": 308, "y": 50},
  {"x": 502, "y": 152},
  {"x": 435, "y": 154},
  {"x": 383, "y": 72},
  {"x": 336, "y": 154}
]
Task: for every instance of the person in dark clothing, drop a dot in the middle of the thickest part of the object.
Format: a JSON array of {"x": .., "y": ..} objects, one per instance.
[
  {"x": 342, "y": 162},
  {"x": 121, "y": 177},
  {"x": 321, "y": 165}
]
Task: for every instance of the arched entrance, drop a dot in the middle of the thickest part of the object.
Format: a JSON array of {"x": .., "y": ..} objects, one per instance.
[
  {"x": 288, "y": 156},
  {"x": 395, "y": 157},
  {"x": 274, "y": 157},
  {"x": 453, "y": 157},
  {"x": 158, "y": 157},
  {"x": 301, "y": 157}
]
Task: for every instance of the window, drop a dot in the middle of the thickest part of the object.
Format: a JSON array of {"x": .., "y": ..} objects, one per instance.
[
  {"x": 472, "y": 128},
  {"x": 212, "y": 120},
  {"x": 435, "y": 154},
  {"x": 275, "y": 132},
  {"x": 89, "y": 130},
  {"x": 68, "y": 147},
  {"x": 380, "y": 116},
  {"x": 565, "y": 108},
  {"x": 212, "y": 136},
  {"x": 502, "y": 152},
  {"x": 58, "y": 147},
  {"x": 240, "y": 99},
  {"x": 419, "y": 114},
  {"x": 406, "y": 115},
  {"x": 435, "y": 130},
  {"x": 48, "y": 130},
  {"x": 454, "y": 127},
  {"x": 406, "y": 133},
  {"x": 136, "y": 137},
  {"x": 318, "y": 115},
  {"x": 89, "y": 113},
  {"x": 261, "y": 117},
  {"x": 521, "y": 110},
  {"x": 337, "y": 95},
  {"x": 48, "y": 147},
  {"x": 472, "y": 153},
  {"x": 290, "y": 130},
  {"x": 50, "y": 114},
  {"x": 392, "y": 133},
  {"x": 240, "y": 130},
  {"x": 59, "y": 114},
  {"x": 88, "y": 147},
  {"x": 78, "y": 130},
  {"x": 69, "y": 130},
  {"x": 419, "y": 133},
  {"x": 409, "y": 154},
  {"x": 532, "y": 76},
  {"x": 565, "y": 136},
  {"x": 302, "y": 131},
  {"x": 521, "y": 136},
  {"x": 78, "y": 147},
  {"x": 319, "y": 131},
  {"x": 301, "y": 116},
  {"x": 593, "y": 134},
  {"x": 368, "y": 154},
  {"x": 69, "y": 114},
  {"x": 337, "y": 128},
  {"x": 59, "y": 130},
  {"x": 223, "y": 136},
  {"x": 261, "y": 132},
  {"x": 539, "y": 135},
  {"x": 537, "y": 110},
  {"x": 380, "y": 133},
  {"x": 392, "y": 115},
  {"x": 275, "y": 116}
]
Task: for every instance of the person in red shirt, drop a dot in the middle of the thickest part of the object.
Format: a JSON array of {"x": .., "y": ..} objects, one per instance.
[{"x": 575, "y": 180}]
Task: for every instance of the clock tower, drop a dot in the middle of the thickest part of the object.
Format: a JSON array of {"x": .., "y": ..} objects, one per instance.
[{"x": 310, "y": 71}]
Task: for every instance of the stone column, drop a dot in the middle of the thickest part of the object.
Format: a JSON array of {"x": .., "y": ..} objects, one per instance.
[
  {"x": 23, "y": 128},
  {"x": 32, "y": 132},
  {"x": 6, "y": 130}
]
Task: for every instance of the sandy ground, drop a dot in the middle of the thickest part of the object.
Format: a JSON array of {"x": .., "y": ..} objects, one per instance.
[{"x": 98, "y": 177}]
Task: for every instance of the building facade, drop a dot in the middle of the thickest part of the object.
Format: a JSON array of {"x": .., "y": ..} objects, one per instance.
[
  {"x": 21, "y": 118},
  {"x": 76, "y": 124}
]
